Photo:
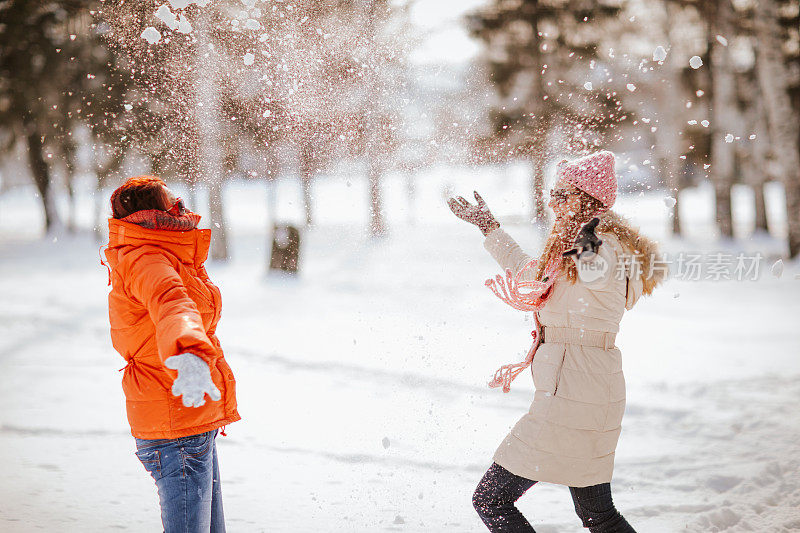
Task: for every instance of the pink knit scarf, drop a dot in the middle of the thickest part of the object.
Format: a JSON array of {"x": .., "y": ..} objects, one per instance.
[
  {"x": 157, "y": 219},
  {"x": 525, "y": 296}
]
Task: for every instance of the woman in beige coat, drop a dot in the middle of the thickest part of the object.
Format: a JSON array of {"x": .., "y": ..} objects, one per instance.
[{"x": 593, "y": 267}]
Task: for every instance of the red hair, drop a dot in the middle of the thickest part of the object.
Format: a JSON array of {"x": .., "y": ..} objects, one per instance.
[{"x": 139, "y": 193}]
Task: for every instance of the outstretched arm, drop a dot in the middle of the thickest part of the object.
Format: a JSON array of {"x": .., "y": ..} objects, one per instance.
[
  {"x": 477, "y": 214},
  {"x": 503, "y": 248},
  {"x": 508, "y": 253},
  {"x": 155, "y": 282},
  {"x": 180, "y": 336}
]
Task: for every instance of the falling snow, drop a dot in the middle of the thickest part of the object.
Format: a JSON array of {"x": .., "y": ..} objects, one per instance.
[
  {"x": 290, "y": 90},
  {"x": 181, "y": 4},
  {"x": 151, "y": 35},
  {"x": 183, "y": 24},
  {"x": 165, "y": 14}
]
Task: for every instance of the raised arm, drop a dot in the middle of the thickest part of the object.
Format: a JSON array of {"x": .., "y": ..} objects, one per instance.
[
  {"x": 503, "y": 248},
  {"x": 508, "y": 253}
]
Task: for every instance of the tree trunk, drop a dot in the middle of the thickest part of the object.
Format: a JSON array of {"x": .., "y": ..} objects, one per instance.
[
  {"x": 373, "y": 132},
  {"x": 97, "y": 212},
  {"x": 676, "y": 215},
  {"x": 668, "y": 145},
  {"x": 193, "y": 194},
  {"x": 210, "y": 162},
  {"x": 538, "y": 207},
  {"x": 668, "y": 140},
  {"x": 538, "y": 160},
  {"x": 757, "y": 160},
  {"x": 272, "y": 204},
  {"x": 377, "y": 225},
  {"x": 306, "y": 168},
  {"x": 216, "y": 208},
  {"x": 722, "y": 204},
  {"x": 69, "y": 152},
  {"x": 42, "y": 178},
  {"x": 103, "y": 172},
  {"x": 271, "y": 178},
  {"x": 723, "y": 116},
  {"x": 541, "y": 114},
  {"x": 773, "y": 76},
  {"x": 760, "y": 208}
]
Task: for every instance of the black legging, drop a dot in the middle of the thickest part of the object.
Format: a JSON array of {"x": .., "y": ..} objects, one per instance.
[{"x": 499, "y": 489}]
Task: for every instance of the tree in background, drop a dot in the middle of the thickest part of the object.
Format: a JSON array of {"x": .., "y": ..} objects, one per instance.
[
  {"x": 777, "y": 62},
  {"x": 752, "y": 47},
  {"x": 176, "y": 73},
  {"x": 41, "y": 66},
  {"x": 668, "y": 84},
  {"x": 539, "y": 53}
]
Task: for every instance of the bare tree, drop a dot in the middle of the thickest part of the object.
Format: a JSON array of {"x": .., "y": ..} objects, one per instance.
[
  {"x": 724, "y": 112},
  {"x": 670, "y": 93},
  {"x": 537, "y": 53},
  {"x": 210, "y": 162},
  {"x": 784, "y": 124}
]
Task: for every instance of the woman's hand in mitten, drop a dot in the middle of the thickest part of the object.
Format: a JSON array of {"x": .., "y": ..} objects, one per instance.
[
  {"x": 478, "y": 214},
  {"x": 193, "y": 381},
  {"x": 587, "y": 242}
]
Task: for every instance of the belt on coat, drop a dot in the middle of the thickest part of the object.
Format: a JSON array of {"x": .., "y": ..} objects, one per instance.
[{"x": 584, "y": 337}]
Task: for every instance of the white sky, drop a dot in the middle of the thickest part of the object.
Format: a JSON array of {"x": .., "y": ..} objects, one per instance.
[{"x": 446, "y": 38}]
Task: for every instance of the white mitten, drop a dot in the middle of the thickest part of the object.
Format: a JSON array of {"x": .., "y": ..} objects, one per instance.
[{"x": 193, "y": 381}]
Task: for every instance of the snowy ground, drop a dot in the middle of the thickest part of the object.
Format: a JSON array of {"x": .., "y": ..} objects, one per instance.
[{"x": 362, "y": 382}]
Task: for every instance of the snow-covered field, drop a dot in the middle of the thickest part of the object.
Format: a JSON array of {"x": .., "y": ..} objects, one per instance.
[{"x": 362, "y": 382}]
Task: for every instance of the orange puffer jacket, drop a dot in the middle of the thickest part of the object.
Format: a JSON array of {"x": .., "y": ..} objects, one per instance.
[{"x": 163, "y": 304}]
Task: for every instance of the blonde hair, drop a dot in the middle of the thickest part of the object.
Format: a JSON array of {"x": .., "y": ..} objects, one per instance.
[{"x": 558, "y": 241}]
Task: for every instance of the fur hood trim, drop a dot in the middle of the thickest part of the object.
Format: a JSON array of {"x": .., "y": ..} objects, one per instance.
[{"x": 644, "y": 249}]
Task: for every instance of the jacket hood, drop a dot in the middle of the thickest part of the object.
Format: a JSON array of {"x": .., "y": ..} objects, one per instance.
[{"x": 188, "y": 246}]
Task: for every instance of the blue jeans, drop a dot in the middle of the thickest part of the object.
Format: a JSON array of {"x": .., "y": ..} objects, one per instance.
[{"x": 186, "y": 473}]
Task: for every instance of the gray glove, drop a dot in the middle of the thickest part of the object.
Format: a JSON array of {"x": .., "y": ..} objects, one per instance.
[{"x": 477, "y": 214}]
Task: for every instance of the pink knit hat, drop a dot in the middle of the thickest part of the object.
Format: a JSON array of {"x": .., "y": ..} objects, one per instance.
[{"x": 593, "y": 174}]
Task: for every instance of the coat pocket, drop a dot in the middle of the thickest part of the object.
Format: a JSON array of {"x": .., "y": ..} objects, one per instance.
[
  {"x": 547, "y": 365},
  {"x": 560, "y": 370}
]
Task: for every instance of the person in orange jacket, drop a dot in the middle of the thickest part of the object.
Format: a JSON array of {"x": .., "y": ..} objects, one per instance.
[{"x": 164, "y": 311}]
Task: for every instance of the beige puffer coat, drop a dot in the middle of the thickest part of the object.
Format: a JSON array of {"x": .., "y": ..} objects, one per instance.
[{"x": 570, "y": 433}]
